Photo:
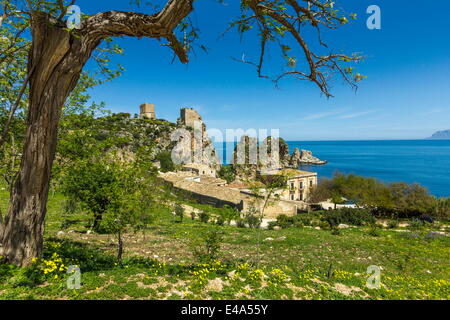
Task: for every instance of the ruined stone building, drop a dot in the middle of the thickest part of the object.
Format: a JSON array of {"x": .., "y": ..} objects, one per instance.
[
  {"x": 201, "y": 146},
  {"x": 147, "y": 111},
  {"x": 200, "y": 169},
  {"x": 189, "y": 116}
]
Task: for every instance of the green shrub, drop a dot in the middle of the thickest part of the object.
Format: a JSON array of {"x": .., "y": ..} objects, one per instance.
[
  {"x": 271, "y": 225},
  {"x": 179, "y": 212},
  {"x": 335, "y": 231},
  {"x": 240, "y": 223},
  {"x": 298, "y": 224},
  {"x": 302, "y": 220},
  {"x": 325, "y": 225},
  {"x": 204, "y": 217},
  {"x": 393, "y": 224},
  {"x": 26, "y": 277},
  {"x": 228, "y": 213},
  {"x": 94, "y": 185},
  {"x": 165, "y": 160},
  {"x": 374, "y": 230},
  {"x": 193, "y": 215},
  {"x": 220, "y": 221},
  {"x": 227, "y": 173},
  {"x": 81, "y": 254},
  {"x": 357, "y": 217},
  {"x": 252, "y": 221},
  {"x": 206, "y": 248},
  {"x": 284, "y": 222},
  {"x": 416, "y": 224},
  {"x": 298, "y": 221}
]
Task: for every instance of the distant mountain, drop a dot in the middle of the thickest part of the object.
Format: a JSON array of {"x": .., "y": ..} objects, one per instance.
[{"x": 441, "y": 135}]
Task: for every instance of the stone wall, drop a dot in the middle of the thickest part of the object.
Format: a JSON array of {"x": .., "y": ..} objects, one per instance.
[{"x": 274, "y": 209}]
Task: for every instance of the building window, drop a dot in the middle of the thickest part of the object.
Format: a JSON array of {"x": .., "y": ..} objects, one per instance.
[
  {"x": 310, "y": 183},
  {"x": 292, "y": 185},
  {"x": 292, "y": 197},
  {"x": 301, "y": 185},
  {"x": 301, "y": 196}
]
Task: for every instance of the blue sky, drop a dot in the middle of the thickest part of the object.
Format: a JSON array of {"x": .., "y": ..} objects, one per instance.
[{"x": 406, "y": 95}]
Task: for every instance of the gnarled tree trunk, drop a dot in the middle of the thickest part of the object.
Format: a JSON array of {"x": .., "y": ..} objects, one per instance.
[{"x": 57, "y": 62}]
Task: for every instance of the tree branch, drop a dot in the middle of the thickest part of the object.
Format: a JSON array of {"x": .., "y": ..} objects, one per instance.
[{"x": 159, "y": 25}]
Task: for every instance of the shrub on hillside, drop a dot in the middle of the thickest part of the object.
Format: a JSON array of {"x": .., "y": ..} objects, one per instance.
[
  {"x": 228, "y": 213},
  {"x": 303, "y": 220},
  {"x": 206, "y": 248},
  {"x": 374, "y": 230},
  {"x": 416, "y": 224},
  {"x": 240, "y": 223},
  {"x": 442, "y": 210},
  {"x": 284, "y": 222},
  {"x": 271, "y": 225},
  {"x": 204, "y": 217},
  {"x": 393, "y": 224},
  {"x": 252, "y": 221},
  {"x": 227, "y": 173},
  {"x": 220, "y": 221},
  {"x": 179, "y": 212},
  {"x": 356, "y": 217},
  {"x": 412, "y": 200},
  {"x": 165, "y": 160}
]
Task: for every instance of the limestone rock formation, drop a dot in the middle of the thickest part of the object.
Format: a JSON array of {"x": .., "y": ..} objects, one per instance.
[
  {"x": 249, "y": 157},
  {"x": 245, "y": 158},
  {"x": 295, "y": 160},
  {"x": 272, "y": 161},
  {"x": 200, "y": 143}
]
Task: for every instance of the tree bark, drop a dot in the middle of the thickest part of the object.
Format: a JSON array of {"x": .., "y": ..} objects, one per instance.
[
  {"x": 57, "y": 58},
  {"x": 119, "y": 247},
  {"x": 57, "y": 61}
]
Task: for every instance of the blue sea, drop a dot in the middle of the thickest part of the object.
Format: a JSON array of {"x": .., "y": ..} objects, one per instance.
[{"x": 426, "y": 162}]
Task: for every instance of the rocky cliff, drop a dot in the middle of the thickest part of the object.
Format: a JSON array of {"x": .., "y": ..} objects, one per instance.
[{"x": 200, "y": 142}]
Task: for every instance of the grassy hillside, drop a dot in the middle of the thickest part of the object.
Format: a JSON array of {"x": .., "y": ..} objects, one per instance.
[{"x": 299, "y": 263}]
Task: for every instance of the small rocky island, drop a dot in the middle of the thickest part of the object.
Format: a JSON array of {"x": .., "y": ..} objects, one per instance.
[{"x": 304, "y": 157}]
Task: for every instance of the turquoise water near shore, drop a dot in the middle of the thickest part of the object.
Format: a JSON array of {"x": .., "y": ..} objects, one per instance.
[{"x": 426, "y": 162}]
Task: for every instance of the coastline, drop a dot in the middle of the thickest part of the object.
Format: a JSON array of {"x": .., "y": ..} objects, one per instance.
[{"x": 422, "y": 161}]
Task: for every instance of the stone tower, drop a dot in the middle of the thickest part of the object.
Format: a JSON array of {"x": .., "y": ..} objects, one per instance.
[
  {"x": 189, "y": 116},
  {"x": 147, "y": 110}
]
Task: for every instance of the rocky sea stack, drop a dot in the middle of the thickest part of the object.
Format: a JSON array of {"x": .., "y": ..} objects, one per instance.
[{"x": 304, "y": 157}]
